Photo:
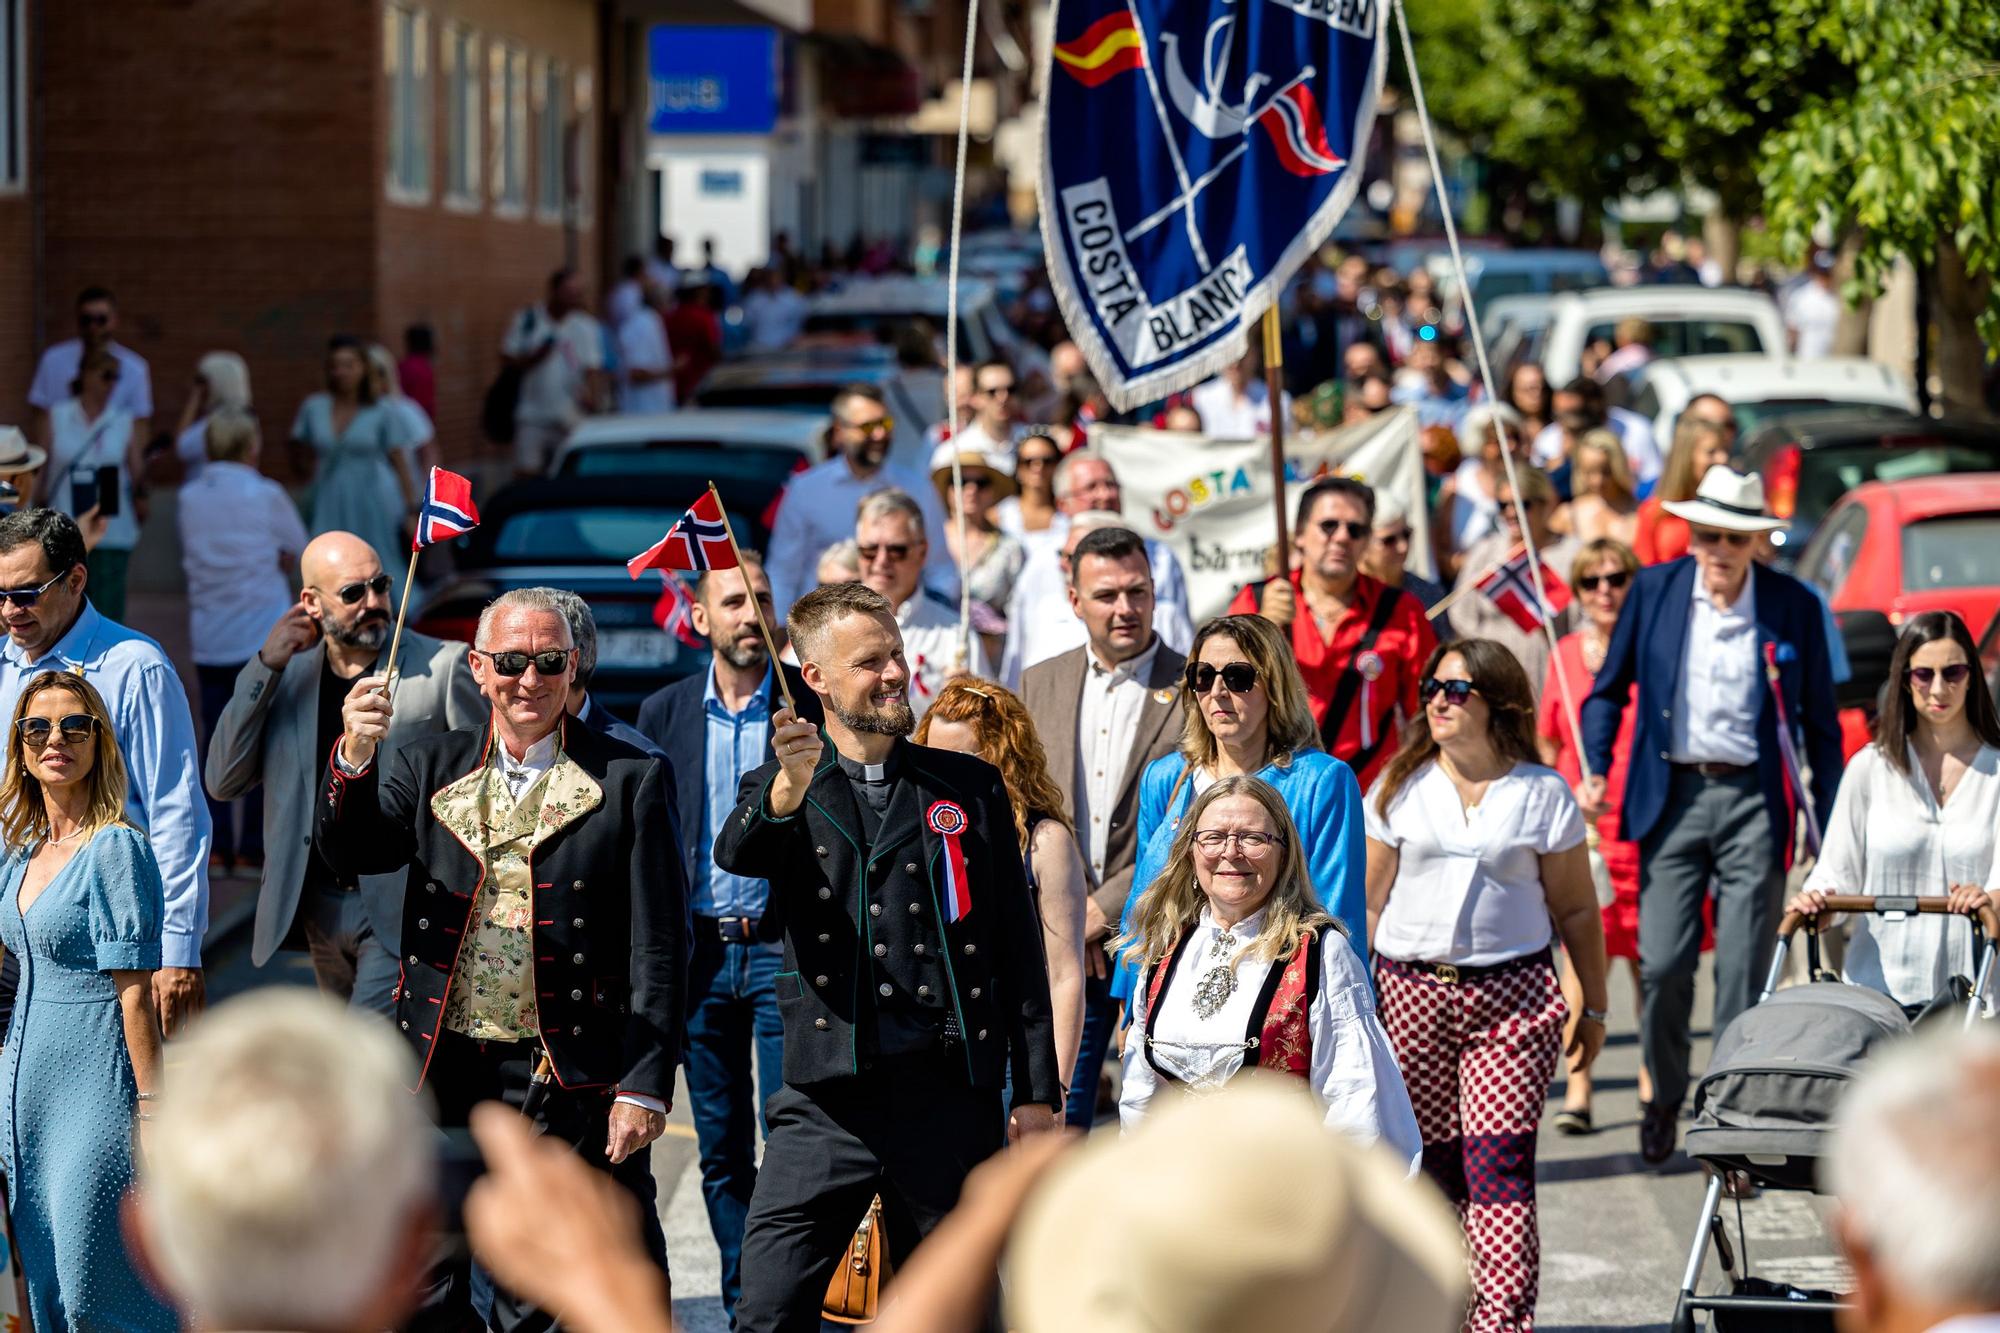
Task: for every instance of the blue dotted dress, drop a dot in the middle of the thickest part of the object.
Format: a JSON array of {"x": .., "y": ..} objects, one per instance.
[{"x": 66, "y": 1077}]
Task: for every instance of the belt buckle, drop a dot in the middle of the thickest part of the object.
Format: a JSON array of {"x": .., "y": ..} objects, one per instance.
[{"x": 1447, "y": 973}]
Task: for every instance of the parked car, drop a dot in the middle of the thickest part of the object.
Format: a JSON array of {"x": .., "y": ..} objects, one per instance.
[
  {"x": 577, "y": 532},
  {"x": 1687, "y": 321},
  {"x": 804, "y": 381},
  {"x": 882, "y": 310},
  {"x": 1811, "y": 460},
  {"x": 1500, "y": 273},
  {"x": 1762, "y": 388},
  {"x": 671, "y": 443},
  {"x": 1890, "y": 550}
]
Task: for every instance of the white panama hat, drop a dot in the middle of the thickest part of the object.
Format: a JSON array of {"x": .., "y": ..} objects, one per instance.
[{"x": 1727, "y": 499}]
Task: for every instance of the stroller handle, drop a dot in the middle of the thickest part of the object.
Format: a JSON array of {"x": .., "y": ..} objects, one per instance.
[{"x": 1989, "y": 920}]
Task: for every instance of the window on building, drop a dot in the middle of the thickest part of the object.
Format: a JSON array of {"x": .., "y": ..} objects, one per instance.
[
  {"x": 13, "y": 97},
  {"x": 406, "y": 65},
  {"x": 462, "y": 82},
  {"x": 507, "y": 106},
  {"x": 581, "y": 108},
  {"x": 551, "y": 138}
]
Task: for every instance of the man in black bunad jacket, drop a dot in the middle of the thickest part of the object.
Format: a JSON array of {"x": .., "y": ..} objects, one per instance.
[
  {"x": 913, "y": 977},
  {"x": 544, "y": 911}
]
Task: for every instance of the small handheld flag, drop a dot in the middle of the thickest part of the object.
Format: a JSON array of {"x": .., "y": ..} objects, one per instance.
[
  {"x": 699, "y": 541},
  {"x": 947, "y": 820},
  {"x": 1511, "y": 586},
  {"x": 674, "y": 612},
  {"x": 447, "y": 510}
]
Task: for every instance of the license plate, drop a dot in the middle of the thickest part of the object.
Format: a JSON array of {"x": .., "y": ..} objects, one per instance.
[{"x": 634, "y": 648}]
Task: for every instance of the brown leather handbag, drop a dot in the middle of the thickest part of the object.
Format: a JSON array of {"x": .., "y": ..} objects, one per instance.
[{"x": 854, "y": 1295}]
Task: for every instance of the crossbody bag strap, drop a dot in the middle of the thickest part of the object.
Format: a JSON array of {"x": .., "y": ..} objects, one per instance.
[{"x": 1349, "y": 683}]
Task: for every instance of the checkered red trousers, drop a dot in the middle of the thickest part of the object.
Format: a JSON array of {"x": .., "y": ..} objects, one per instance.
[{"x": 1478, "y": 1057}]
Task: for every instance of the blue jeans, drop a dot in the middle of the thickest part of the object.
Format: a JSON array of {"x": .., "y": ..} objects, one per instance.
[
  {"x": 1100, "y": 1021},
  {"x": 732, "y": 1001}
]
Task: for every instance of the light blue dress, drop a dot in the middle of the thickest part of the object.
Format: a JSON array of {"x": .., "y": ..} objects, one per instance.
[
  {"x": 67, "y": 1080},
  {"x": 355, "y": 489}
]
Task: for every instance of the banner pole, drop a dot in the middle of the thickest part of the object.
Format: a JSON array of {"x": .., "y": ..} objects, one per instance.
[
  {"x": 770, "y": 640},
  {"x": 964, "y": 648},
  {"x": 396, "y": 640},
  {"x": 1274, "y": 384}
]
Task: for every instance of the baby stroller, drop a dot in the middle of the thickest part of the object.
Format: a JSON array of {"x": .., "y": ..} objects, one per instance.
[{"x": 1766, "y": 1107}]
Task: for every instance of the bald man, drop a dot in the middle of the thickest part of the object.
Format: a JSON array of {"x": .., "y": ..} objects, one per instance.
[{"x": 279, "y": 727}]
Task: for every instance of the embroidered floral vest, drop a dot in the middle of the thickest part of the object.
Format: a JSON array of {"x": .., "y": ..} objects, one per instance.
[
  {"x": 1279, "y": 1022},
  {"x": 492, "y": 993}
]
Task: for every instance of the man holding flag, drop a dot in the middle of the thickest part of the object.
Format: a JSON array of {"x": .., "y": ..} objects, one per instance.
[
  {"x": 913, "y": 979},
  {"x": 1496, "y": 596}
]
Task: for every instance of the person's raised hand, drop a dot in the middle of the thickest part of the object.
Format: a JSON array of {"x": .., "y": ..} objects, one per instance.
[
  {"x": 364, "y": 720},
  {"x": 1280, "y": 601},
  {"x": 295, "y": 631},
  {"x": 797, "y": 745}
]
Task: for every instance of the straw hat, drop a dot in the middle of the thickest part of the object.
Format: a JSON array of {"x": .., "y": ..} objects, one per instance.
[
  {"x": 1238, "y": 1210},
  {"x": 16, "y": 454},
  {"x": 1727, "y": 499},
  {"x": 1000, "y": 466}
]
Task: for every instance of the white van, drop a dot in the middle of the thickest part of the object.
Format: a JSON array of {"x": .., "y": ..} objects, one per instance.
[
  {"x": 1686, "y": 320},
  {"x": 1762, "y": 388}
]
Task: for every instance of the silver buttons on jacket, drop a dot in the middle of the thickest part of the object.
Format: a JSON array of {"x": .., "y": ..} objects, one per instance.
[
  {"x": 820, "y": 980},
  {"x": 576, "y": 995},
  {"x": 916, "y": 908},
  {"x": 881, "y": 951},
  {"x": 825, "y": 938},
  {"x": 578, "y": 923},
  {"x": 923, "y": 992},
  {"x": 577, "y": 884},
  {"x": 577, "y": 958},
  {"x": 423, "y": 923},
  {"x": 917, "y": 949},
  {"x": 973, "y": 994},
  {"x": 910, "y": 867},
  {"x": 825, "y": 893},
  {"x": 874, "y": 909},
  {"x": 413, "y": 960},
  {"x": 820, "y": 1024},
  {"x": 886, "y": 990},
  {"x": 971, "y": 949}
]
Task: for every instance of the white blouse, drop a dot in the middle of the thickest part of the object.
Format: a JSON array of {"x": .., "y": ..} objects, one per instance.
[
  {"x": 1468, "y": 884},
  {"x": 1887, "y": 835},
  {"x": 1353, "y": 1070}
]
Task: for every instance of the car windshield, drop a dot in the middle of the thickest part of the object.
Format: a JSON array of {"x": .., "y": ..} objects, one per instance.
[
  {"x": 1958, "y": 551},
  {"x": 890, "y": 327},
  {"x": 1749, "y": 416},
  {"x": 1829, "y": 473},
  {"x": 728, "y": 463},
  {"x": 782, "y": 397},
  {"x": 1692, "y": 337},
  {"x": 591, "y": 535}
]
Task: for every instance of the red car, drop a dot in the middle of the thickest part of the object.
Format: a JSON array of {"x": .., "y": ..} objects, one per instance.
[{"x": 1892, "y": 549}]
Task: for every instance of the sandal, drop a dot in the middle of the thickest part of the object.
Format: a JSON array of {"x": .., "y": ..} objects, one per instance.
[{"x": 1574, "y": 1122}]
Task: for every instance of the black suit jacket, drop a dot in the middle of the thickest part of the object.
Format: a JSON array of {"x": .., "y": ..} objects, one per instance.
[
  {"x": 852, "y": 927},
  {"x": 609, "y": 906},
  {"x": 672, "y": 718}
]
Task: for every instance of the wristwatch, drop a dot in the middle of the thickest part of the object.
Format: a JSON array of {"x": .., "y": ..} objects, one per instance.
[{"x": 1597, "y": 1016}]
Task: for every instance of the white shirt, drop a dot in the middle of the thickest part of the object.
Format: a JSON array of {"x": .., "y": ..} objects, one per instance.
[
  {"x": 57, "y": 369},
  {"x": 78, "y": 448},
  {"x": 818, "y": 510},
  {"x": 642, "y": 345},
  {"x": 1107, "y": 715},
  {"x": 1352, "y": 1069},
  {"x": 1717, "y": 703},
  {"x": 235, "y": 522},
  {"x": 552, "y": 389},
  {"x": 1813, "y": 315},
  {"x": 191, "y": 445},
  {"x": 931, "y": 646},
  {"x": 1468, "y": 884},
  {"x": 1227, "y": 416},
  {"x": 1887, "y": 835},
  {"x": 1635, "y": 432},
  {"x": 1041, "y": 625},
  {"x": 773, "y": 319},
  {"x": 519, "y": 775}
]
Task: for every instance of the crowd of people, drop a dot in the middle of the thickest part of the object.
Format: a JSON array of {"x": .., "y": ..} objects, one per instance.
[{"x": 994, "y": 836}]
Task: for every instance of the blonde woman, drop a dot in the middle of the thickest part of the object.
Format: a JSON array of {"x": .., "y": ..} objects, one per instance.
[
  {"x": 1603, "y": 499},
  {"x": 80, "y": 908},
  {"x": 1699, "y": 444},
  {"x": 980, "y": 718},
  {"x": 1243, "y": 969},
  {"x": 221, "y": 384}
]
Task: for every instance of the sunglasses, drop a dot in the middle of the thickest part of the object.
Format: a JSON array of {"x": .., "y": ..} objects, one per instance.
[
  {"x": 1714, "y": 536},
  {"x": 1512, "y": 510},
  {"x": 77, "y": 729},
  {"x": 510, "y": 665},
  {"x": 1455, "y": 692},
  {"x": 1924, "y": 677},
  {"x": 95, "y": 321},
  {"x": 1256, "y": 846},
  {"x": 25, "y": 598},
  {"x": 1239, "y": 677},
  {"x": 1401, "y": 538},
  {"x": 879, "y": 426},
  {"x": 351, "y": 593},
  {"x": 1036, "y": 460},
  {"x": 1614, "y": 581},
  {"x": 979, "y": 481},
  {"x": 996, "y": 390},
  {"x": 1355, "y": 531},
  {"x": 897, "y": 552}
]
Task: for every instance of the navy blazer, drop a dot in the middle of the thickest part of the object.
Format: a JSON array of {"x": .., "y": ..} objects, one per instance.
[
  {"x": 673, "y": 720},
  {"x": 1647, "y": 648}
]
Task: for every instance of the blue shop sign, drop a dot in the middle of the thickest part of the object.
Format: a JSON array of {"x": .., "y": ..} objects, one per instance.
[{"x": 703, "y": 80}]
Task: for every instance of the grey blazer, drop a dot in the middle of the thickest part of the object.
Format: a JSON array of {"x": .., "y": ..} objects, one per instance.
[
  {"x": 1053, "y": 693},
  {"x": 266, "y": 735}
]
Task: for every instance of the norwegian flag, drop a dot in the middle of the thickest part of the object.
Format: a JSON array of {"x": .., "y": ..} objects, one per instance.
[
  {"x": 1298, "y": 133},
  {"x": 447, "y": 510},
  {"x": 1511, "y": 587},
  {"x": 674, "y": 612},
  {"x": 700, "y": 541}
]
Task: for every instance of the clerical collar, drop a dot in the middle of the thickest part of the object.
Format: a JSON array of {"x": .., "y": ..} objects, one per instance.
[{"x": 860, "y": 772}]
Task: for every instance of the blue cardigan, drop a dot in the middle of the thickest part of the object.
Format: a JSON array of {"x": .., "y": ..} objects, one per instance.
[{"x": 1325, "y": 802}]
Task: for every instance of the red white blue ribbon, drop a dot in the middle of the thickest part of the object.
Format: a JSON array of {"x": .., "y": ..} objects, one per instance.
[{"x": 947, "y": 820}]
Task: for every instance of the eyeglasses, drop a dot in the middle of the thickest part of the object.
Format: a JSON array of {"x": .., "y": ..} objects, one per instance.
[
  {"x": 550, "y": 663},
  {"x": 350, "y": 593},
  {"x": 1399, "y": 538},
  {"x": 1035, "y": 460},
  {"x": 1455, "y": 692},
  {"x": 1355, "y": 531},
  {"x": 1240, "y": 677},
  {"x": 25, "y": 598},
  {"x": 1256, "y": 846},
  {"x": 1924, "y": 677},
  {"x": 76, "y": 728},
  {"x": 1615, "y": 580},
  {"x": 1512, "y": 510},
  {"x": 1713, "y": 536},
  {"x": 897, "y": 552},
  {"x": 883, "y": 426}
]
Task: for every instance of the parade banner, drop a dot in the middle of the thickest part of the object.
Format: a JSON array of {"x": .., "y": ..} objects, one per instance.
[
  {"x": 1211, "y": 500},
  {"x": 1193, "y": 155}
]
